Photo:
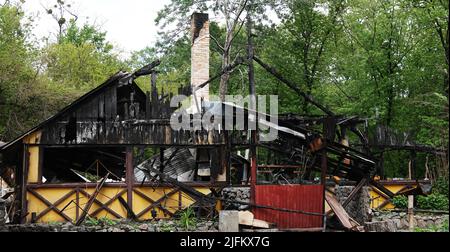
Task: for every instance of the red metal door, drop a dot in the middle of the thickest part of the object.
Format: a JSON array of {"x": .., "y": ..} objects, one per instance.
[{"x": 308, "y": 198}]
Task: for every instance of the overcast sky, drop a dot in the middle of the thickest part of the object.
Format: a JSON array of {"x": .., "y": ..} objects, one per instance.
[{"x": 129, "y": 24}]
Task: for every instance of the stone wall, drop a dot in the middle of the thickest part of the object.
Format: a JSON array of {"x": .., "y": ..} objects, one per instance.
[
  {"x": 359, "y": 208},
  {"x": 122, "y": 226},
  {"x": 2, "y": 211},
  {"x": 387, "y": 221},
  {"x": 238, "y": 194}
]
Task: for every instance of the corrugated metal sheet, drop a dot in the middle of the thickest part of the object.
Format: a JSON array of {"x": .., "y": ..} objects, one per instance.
[{"x": 307, "y": 198}]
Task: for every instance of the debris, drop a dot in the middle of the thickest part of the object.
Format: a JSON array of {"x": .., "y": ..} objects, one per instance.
[
  {"x": 247, "y": 218},
  {"x": 340, "y": 212},
  {"x": 91, "y": 200}
]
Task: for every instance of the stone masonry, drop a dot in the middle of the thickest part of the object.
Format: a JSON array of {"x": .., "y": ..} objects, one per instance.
[
  {"x": 359, "y": 207},
  {"x": 200, "y": 54},
  {"x": 238, "y": 194},
  {"x": 387, "y": 221}
]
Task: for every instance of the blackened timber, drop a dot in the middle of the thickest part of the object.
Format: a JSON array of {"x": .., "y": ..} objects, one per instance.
[
  {"x": 91, "y": 200},
  {"x": 129, "y": 175},
  {"x": 161, "y": 159},
  {"x": 252, "y": 90},
  {"x": 50, "y": 205},
  {"x": 293, "y": 86},
  {"x": 154, "y": 97},
  {"x": 23, "y": 191},
  {"x": 354, "y": 192},
  {"x": 184, "y": 187},
  {"x": 148, "y": 69},
  {"x": 382, "y": 188}
]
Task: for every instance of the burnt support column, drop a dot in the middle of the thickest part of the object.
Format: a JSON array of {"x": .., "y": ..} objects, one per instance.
[
  {"x": 24, "y": 202},
  {"x": 129, "y": 176},
  {"x": 161, "y": 160},
  {"x": 253, "y": 136},
  {"x": 413, "y": 165}
]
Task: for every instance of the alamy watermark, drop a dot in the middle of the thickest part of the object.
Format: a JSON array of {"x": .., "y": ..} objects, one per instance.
[{"x": 235, "y": 113}]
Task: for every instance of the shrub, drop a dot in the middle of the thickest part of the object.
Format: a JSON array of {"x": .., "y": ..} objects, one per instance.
[
  {"x": 400, "y": 201},
  {"x": 103, "y": 221},
  {"x": 433, "y": 201},
  {"x": 91, "y": 221},
  {"x": 441, "y": 186},
  {"x": 187, "y": 219}
]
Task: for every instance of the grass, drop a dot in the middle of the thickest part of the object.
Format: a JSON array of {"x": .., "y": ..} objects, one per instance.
[{"x": 187, "y": 219}]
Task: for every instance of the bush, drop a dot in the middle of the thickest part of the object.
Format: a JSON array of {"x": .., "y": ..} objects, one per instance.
[
  {"x": 187, "y": 219},
  {"x": 441, "y": 186},
  {"x": 103, "y": 221},
  {"x": 400, "y": 201},
  {"x": 433, "y": 201}
]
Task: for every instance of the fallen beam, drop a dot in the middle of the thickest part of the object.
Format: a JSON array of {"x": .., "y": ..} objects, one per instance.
[
  {"x": 91, "y": 200},
  {"x": 340, "y": 212},
  {"x": 354, "y": 192}
]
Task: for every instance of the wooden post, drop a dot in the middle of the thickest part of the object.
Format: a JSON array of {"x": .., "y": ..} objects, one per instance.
[
  {"x": 411, "y": 212},
  {"x": 161, "y": 159},
  {"x": 323, "y": 173},
  {"x": 251, "y": 80},
  {"x": 413, "y": 165},
  {"x": 154, "y": 94},
  {"x": 24, "y": 202},
  {"x": 129, "y": 176}
]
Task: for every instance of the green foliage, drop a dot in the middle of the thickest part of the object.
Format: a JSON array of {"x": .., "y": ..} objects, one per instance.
[
  {"x": 188, "y": 220},
  {"x": 90, "y": 221},
  {"x": 433, "y": 201},
  {"x": 102, "y": 221},
  {"x": 400, "y": 201},
  {"x": 80, "y": 67},
  {"x": 166, "y": 227},
  {"x": 87, "y": 34},
  {"x": 35, "y": 83},
  {"x": 441, "y": 186}
]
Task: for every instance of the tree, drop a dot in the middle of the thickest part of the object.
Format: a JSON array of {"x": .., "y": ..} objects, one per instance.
[
  {"x": 60, "y": 12},
  {"x": 299, "y": 46},
  {"x": 25, "y": 97},
  {"x": 82, "y": 58},
  {"x": 231, "y": 12}
]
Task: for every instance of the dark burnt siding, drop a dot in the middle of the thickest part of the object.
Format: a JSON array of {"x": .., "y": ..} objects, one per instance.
[{"x": 104, "y": 118}]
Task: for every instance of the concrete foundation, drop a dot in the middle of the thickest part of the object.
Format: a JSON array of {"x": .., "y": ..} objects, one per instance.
[{"x": 229, "y": 221}]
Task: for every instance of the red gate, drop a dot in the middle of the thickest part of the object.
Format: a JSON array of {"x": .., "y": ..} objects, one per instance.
[{"x": 308, "y": 198}]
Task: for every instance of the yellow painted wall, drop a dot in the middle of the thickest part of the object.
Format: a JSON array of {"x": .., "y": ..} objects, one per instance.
[
  {"x": 171, "y": 203},
  {"x": 107, "y": 193},
  {"x": 33, "y": 167},
  {"x": 378, "y": 199}
]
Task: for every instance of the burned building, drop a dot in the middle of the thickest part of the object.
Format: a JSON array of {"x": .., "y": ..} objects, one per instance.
[{"x": 114, "y": 153}]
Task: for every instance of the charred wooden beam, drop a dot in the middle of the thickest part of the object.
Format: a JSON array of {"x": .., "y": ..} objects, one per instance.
[
  {"x": 91, "y": 200},
  {"x": 252, "y": 90},
  {"x": 354, "y": 192},
  {"x": 129, "y": 176},
  {"x": 146, "y": 70}
]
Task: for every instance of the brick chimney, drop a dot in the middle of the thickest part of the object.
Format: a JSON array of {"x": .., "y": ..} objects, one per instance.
[{"x": 200, "y": 54}]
